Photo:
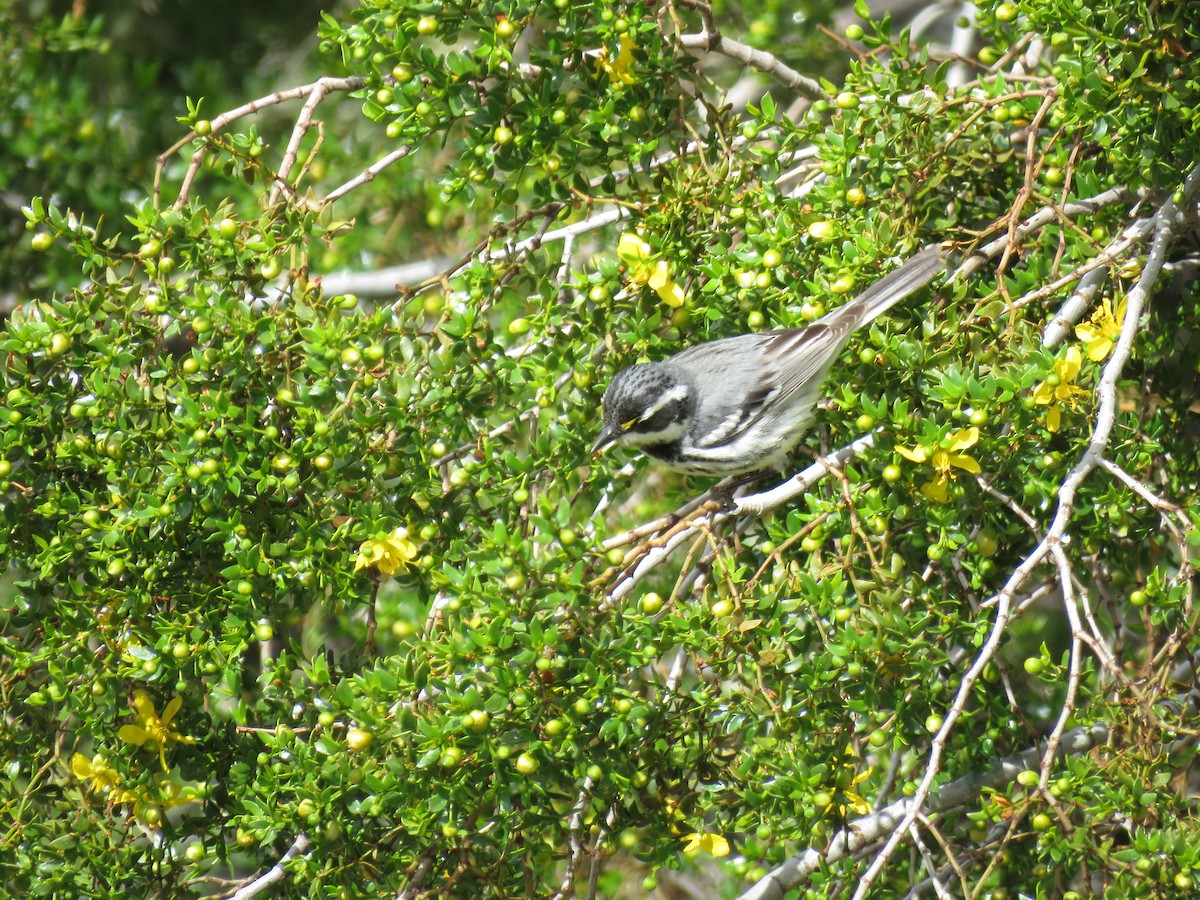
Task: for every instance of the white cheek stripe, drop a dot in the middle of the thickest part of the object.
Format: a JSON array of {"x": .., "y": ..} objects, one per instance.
[{"x": 675, "y": 394}]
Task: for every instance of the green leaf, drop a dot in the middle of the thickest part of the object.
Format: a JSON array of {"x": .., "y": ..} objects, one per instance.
[{"x": 768, "y": 107}]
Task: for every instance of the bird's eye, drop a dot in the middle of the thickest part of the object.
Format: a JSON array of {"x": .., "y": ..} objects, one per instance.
[{"x": 625, "y": 426}]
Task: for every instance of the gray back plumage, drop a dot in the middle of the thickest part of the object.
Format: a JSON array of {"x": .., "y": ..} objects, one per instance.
[{"x": 736, "y": 379}]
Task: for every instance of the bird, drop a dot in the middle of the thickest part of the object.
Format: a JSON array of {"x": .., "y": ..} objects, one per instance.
[{"x": 740, "y": 404}]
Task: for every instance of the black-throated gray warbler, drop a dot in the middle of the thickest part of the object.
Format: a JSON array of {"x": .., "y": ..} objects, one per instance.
[{"x": 740, "y": 404}]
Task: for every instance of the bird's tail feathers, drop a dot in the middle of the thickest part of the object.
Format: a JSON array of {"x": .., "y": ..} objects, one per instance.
[{"x": 912, "y": 275}]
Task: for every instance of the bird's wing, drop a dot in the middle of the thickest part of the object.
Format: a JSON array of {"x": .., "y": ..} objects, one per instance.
[{"x": 739, "y": 379}]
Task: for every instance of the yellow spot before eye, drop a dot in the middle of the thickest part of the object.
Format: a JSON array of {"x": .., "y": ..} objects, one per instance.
[{"x": 625, "y": 426}]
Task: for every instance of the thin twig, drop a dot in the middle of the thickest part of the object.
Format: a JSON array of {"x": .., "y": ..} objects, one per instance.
[
  {"x": 1072, "y": 310},
  {"x": 321, "y": 88},
  {"x": 418, "y": 878},
  {"x": 753, "y": 505},
  {"x": 224, "y": 119},
  {"x": 1074, "y": 655},
  {"x": 1171, "y": 513},
  {"x": 369, "y": 173},
  {"x": 800, "y": 483},
  {"x": 981, "y": 255},
  {"x": 575, "y": 841},
  {"x": 930, "y": 865},
  {"x": 711, "y": 40},
  {"x": 276, "y": 873}
]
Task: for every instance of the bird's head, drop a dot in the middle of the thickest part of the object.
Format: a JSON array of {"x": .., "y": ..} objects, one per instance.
[{"x": 644, "y": 405}]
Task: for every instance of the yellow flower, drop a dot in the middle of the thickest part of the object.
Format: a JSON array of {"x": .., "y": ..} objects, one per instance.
[
  {"x": 156, "y": 797},
  {"x": 618, "y": 69},
  {"x": 645, "y": 269},
  {"x": 155, "y": 731},
  {"x": 1100, "y": 332},
  {"x": 104, "y": 779},
  {"x": 852, "y": 800},
  {"x": 387, "y": 554},
  {"x": 169, "y": 793},
  {"x": 705, "y": 842},
  {"x": 854, "y": 803},
  {"x": 945, "y": 460},
  {"x": 1059, "y": 389}
]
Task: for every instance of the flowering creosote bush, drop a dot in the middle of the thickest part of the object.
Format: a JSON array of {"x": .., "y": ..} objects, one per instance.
[
  {"x": 389, "y": 553},
  {"x": 945, "y": 458},
  {"x": 312, "y": 582},
  {"x": 642, "y": 268}
]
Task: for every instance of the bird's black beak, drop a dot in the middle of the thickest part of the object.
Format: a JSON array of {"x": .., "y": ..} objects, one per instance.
[{"x": 607, "y": 438}]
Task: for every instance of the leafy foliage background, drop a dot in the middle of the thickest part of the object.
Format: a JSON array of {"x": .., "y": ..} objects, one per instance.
[{"x": 969, "y": 636}]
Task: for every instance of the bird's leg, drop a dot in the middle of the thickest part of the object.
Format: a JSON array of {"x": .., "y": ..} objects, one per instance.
[{"x": 724, "y": 491}]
